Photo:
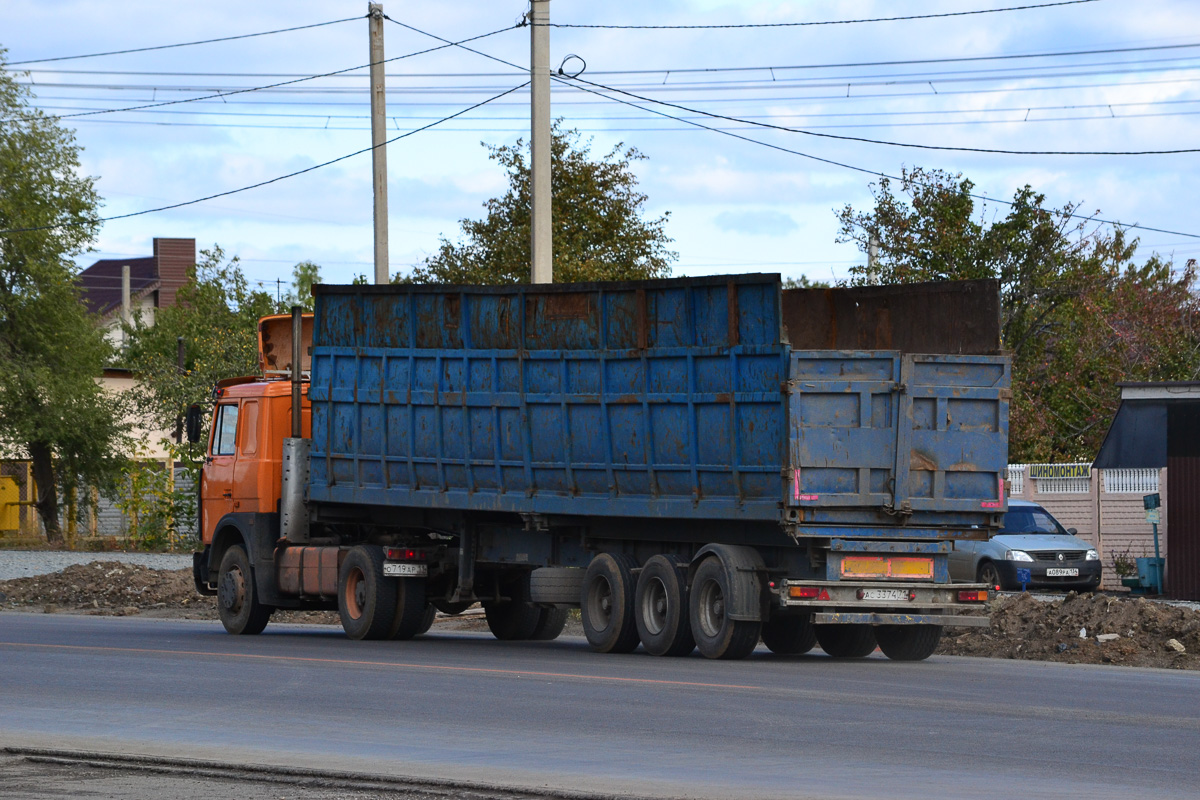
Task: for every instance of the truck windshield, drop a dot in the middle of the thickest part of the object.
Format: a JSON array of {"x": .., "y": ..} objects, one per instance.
[{"x": 1030, "y": 520}]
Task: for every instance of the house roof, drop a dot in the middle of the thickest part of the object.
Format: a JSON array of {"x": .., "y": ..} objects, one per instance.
[{"x": 101, "y": 282}]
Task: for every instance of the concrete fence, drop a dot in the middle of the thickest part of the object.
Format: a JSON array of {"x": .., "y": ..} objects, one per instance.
[{"x": 1105, "y": 506}]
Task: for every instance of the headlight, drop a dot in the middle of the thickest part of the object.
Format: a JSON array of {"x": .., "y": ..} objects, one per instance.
[
  {"x": 1092, "y": 555},
  {"x": 1017, "y": 555}
]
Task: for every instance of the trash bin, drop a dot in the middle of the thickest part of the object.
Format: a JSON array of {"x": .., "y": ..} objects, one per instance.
[{"x": 1150, "y": 572}]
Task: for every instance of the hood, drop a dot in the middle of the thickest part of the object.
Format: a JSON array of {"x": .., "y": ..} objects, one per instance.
[{"x": 1041, "y": 541}]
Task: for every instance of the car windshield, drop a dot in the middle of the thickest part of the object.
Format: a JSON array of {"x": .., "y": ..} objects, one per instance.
[{"x": 1030, "y": 520}]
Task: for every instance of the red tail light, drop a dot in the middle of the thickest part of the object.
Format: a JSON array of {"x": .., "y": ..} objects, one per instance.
[
  {"x": 404, "y": 554},
  {"x": 804, "y": 592},
  {"x": 973, "y": 596}
]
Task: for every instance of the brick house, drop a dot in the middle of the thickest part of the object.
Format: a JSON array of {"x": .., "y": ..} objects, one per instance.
[{"x": 153, "y": 282}]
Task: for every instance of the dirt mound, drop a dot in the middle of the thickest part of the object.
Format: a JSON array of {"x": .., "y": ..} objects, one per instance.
[
  {"x": 1084, "y": 629},
  {"x": 115, "y": 589}
]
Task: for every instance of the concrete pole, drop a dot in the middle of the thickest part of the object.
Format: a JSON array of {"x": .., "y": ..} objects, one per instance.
[
  {"x": 873, "y": 259},
  {"x": 378, "y": 135},
  {"x": 542, "y": 244}
]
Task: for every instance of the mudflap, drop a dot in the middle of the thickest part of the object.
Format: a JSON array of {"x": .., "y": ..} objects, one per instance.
[{"x": 200, "y": 572}]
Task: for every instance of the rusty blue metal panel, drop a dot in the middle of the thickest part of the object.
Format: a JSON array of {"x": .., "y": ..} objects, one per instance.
[
  {"x": 922, "y": 439},
  {"x": 649, "y": 399}
]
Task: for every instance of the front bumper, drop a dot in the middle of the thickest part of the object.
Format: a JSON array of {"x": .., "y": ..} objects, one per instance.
[{"x": 1088, "y": 577}]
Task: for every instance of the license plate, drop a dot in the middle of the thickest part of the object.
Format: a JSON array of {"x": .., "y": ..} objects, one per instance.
[
  {"x": 406, "y": 570},
  {"x": 1062, "y": 572},
  {"x": 884, "y": 594}
]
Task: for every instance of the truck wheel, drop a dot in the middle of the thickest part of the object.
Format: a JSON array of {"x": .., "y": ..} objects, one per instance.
[
  {"x": 908, "y": 642},
  {"x": 237, "y": 603},
  {"x": 427, "y": 620},
  {"x": 516, "y": 618},
  {"x": 550, "y": 624},
  {"x": 366, "y": 599},
  {"x": 408, "y": 620},
  {"x": 718, "y": 636},
  {"x": 789, "y": 634},
  {"x": 606, "y": 604},
  {"x": 661, "y": 608},
  {"x": 846, "y": 641}
]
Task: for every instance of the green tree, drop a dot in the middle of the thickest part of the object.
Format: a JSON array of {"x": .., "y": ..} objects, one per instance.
[
  {"x": 599, "y": 231},
  {"x": 51, "y": 351},
  {"x": 1075, "y": 307},
  {"x": 304, "y": 275}
]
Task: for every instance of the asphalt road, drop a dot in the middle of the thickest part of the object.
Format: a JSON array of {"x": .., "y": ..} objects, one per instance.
[{"x": 463, "y": 706}]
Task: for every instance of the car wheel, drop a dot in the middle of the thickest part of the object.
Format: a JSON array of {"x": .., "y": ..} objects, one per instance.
[{"x": 989, "y": 574}]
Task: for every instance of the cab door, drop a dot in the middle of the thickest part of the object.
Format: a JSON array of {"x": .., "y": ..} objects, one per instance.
[{"x": 216, "y": 479}]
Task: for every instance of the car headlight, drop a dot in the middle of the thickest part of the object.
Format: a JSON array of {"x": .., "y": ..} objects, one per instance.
[
  {"x": 1092, "y": 555},
  {"x": 1017, "y": 555}
]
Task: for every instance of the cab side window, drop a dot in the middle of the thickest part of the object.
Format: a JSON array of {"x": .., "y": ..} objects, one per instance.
[{"x": 225, "y": 430}]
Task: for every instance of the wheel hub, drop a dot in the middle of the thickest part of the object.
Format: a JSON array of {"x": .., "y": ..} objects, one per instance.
[{"x": 232, "y": 590}]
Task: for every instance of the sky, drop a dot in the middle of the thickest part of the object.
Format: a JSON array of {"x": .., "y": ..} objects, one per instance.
[{"x": 735, "y": 205}]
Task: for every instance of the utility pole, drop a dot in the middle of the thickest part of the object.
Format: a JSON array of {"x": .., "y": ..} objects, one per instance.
[
  {"x": 873, "y": 259},
  {"x": 378, "y": 133},
  {"x": 542, "y": 244}
]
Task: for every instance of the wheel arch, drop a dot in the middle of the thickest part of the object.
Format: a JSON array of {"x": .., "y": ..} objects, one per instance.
[
  {"x": 257, "y": 533},
  {"x": 744, "y": 569}
]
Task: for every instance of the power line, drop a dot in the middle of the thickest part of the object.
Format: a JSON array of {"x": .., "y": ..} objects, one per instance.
[
  {"x": 864, "y": 170},
  {"x": 825, "y": 22},
  {"x": 281, "y": 177},
  {"x": 893, "y": 144},
  {"x": 674, "y": 70},
  {"x": 183, "y": 44},
  {"x": 224, "y": 94}
]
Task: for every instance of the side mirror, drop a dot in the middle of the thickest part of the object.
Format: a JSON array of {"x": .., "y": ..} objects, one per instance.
[
  {"x": 194, "y": 422},
  {"x": 1073, "y": 531}
]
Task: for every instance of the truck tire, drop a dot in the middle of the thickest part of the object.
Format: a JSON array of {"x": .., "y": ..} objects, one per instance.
[
  {"x": 718, "y": 636},
  {"x": 556, "y": 585},
  {"x": 846, "y": 641},
  {"x": 514, "y": 619},
  {"x": 237, "y": 601},
  {"x": 606, "y": 604},
  {"x": 789, "y": 634},
  {"x": 408, "y": 620},
  {"x": 550, "y": 624},
  {"x": 366, "y": 599},
  {"x": 661, "y": 608},
  {"x": 908, "y": 642},
  {"x": 427, "y": 620}
]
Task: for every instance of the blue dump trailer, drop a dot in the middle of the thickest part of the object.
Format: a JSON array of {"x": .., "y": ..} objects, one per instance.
[{"x": 687, "y": 461}]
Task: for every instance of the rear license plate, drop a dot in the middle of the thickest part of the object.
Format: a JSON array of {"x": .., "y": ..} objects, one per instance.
[
  {"x": 406, "y": 570},
  {"x": 1062, "y": 572},
  {"x": 884, "y": 594}
]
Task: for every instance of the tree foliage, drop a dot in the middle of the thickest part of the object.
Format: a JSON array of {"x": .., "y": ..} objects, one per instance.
[
  {"x": 599, "y": 230},
  {"x": 1078, "y": 314},
  {"x": 52, "y": 409}
]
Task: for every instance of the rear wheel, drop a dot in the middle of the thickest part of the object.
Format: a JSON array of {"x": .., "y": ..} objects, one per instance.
[
  {"x": 661, "y": 608},
  {"x": 908, "y": 642},
  {"x": 366, "y": 599},
  {"x": 411, "y": 609},
  {"x": 718, "y": 636},
  {"x": 550, "y": 624},
  {"x": 789, "y": 634},
  {"x": 237, "y": 603},
  {"x": 989, "y": 574},
  {"x": 606, "y": 604},
  {"x": 846, "y": 641}
]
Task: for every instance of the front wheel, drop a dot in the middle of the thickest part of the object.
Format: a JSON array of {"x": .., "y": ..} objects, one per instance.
[
  {"x": 908, "y": 642},
  {"x": 718, "y": 636},
  {"x": 237, "y": 602},
  {"x": 989, "y": 574}
]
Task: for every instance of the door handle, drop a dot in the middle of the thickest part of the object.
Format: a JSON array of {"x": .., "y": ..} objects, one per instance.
[{"x": 227, "y": 494}]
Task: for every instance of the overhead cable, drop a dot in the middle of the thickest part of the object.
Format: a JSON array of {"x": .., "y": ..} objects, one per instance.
[
  {"x": 280, "y": 177},
  {"x": 183, "y": 44},
  {"x": 824, "y": 22},
  {"x": 854, "y": 168},
  {"x": 912, "y": 145}
]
